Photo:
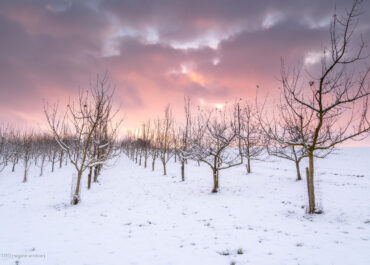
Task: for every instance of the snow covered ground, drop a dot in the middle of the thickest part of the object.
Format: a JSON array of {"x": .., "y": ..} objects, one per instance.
[{"x": 135, "y": 216}]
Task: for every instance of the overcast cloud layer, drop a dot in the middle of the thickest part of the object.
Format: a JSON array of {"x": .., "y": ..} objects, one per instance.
[{"x": 155, "y": 51}]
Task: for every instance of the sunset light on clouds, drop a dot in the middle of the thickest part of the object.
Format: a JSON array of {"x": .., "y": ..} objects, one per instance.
[{"x": 156, "y": 52}]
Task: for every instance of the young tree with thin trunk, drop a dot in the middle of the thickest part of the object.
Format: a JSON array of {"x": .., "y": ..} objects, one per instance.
[
  {"x": 146, "y": 142},
  {"x": 252, "y": 140},
  {"x": 165, "y": 138},
  {"x": 3, "y": 149},
  {"x": 184, "y": 138},
  {"x": 154, "y": 140},
  {"x": 333, "y": 106},
  {"x": 289, "y": 152},
  {"x": 27, "y": 145},
  {"x": 215, "y": 140},
  {"x": 15, "y": 148},
  {"x": 42, "y": 149}
]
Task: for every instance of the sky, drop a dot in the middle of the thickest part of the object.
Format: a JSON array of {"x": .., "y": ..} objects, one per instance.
[{"x": 156, "y": 52}]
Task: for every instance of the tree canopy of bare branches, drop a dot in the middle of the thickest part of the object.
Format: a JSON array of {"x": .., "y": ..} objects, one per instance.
[
  {"x": 214, "y": 134},
  {"x": 86, "y": 131},
  {"x": 320, "y": 111}
]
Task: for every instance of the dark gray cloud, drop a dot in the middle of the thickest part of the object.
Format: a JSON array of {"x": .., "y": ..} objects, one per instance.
[
  {"x": 50, "y": 48},
  {"x": 187, "y": 20}
]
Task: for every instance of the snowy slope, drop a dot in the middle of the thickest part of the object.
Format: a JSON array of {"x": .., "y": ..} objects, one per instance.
[{"x": 135, "y": 216}]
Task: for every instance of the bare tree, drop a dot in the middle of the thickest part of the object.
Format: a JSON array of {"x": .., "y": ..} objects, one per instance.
[
  {"x": 289, "y": 152},
  {"x": 3, "y": 149},
  {"x": 214, "y": 140},
  {"x": 81, "y": 121},
  {"x": 165, "y": 138},
  {"x": 15, "y": 147},
  {"x": 184, "y": 138},
  {"x": 282, "y": 129},
  {"x": 27, "y": 152},
  {"x": 43, "y": 147},
  {"x": 146, "y": 141},
  {"x": 154, "y": 140},
  {"x": 52, "y": 153},
  {"x": 252, "y": 140},
  {"x": 332, "y": 107}
]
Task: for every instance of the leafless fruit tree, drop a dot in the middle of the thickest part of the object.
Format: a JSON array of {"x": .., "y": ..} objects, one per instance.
[
  {"x": 85, "y": 129},
  {"x": 165, "y": 138},
  {"x": 332, "y": 107},
  {"x": 252, "y": 140},
  {"x": 27, "y": 144},
  {"x": 154, "y": 142},
  {"x": 215, "y": 140},
  {"x": 184, "y": 136}
]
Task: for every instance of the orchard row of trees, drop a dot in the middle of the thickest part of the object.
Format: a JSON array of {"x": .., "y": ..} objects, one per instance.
[
  {"x": 45, "y": 151},
  {"x": 27, "y": 148},
  {"x": 219, "y": 137},
  {"x": 82, "y": 135},
  {"x": 316, "y": 112}
]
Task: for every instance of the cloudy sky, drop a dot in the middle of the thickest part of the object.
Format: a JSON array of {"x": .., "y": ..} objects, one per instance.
[{"x": 155, "y": 51}]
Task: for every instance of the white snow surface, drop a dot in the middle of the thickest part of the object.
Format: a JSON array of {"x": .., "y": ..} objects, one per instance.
[{"x": 136, "y": 216}]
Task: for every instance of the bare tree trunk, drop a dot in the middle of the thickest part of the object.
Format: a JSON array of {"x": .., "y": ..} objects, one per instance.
[
  {"x": 25, "y": 175},
  {"x": 298, "y": 171},
  {"x": 76, "y": 197},
  {"x": 215, "y": 180},
  {"x": 248, "y": 165},
  {"x": 42, "y": 165},
  {"x": 89, "y": 178},
  {"x": 164, "y": 168},
  {"x": 53, "y": 162},
  {"x": 182, "y": 169},
  {"x": 96, "y": 174},
  {"x": 25, "y": 171},
  {"x": 61, "y": 159},
  {"x": 310, "y": 184}
]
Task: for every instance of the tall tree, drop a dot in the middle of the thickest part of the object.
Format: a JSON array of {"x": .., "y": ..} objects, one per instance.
[
  {"x": 82, "y": 122},
  {"x": 333, "y": 106}
]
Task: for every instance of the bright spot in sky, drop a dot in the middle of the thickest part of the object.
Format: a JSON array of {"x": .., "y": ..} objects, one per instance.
[
  {"x": 206, "y": 41},
  {"x": 316, "y": 24},
  {"x": 152, "y": 35},
  {"x": 197, "y": 78},
  {"x": 312, "y": 58},
  {"x": 219, "y": 106},
  {"x": 216, "y": 61},
  {"x": 270, "y": 20},
  {"x": 184, "y": 69}
]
